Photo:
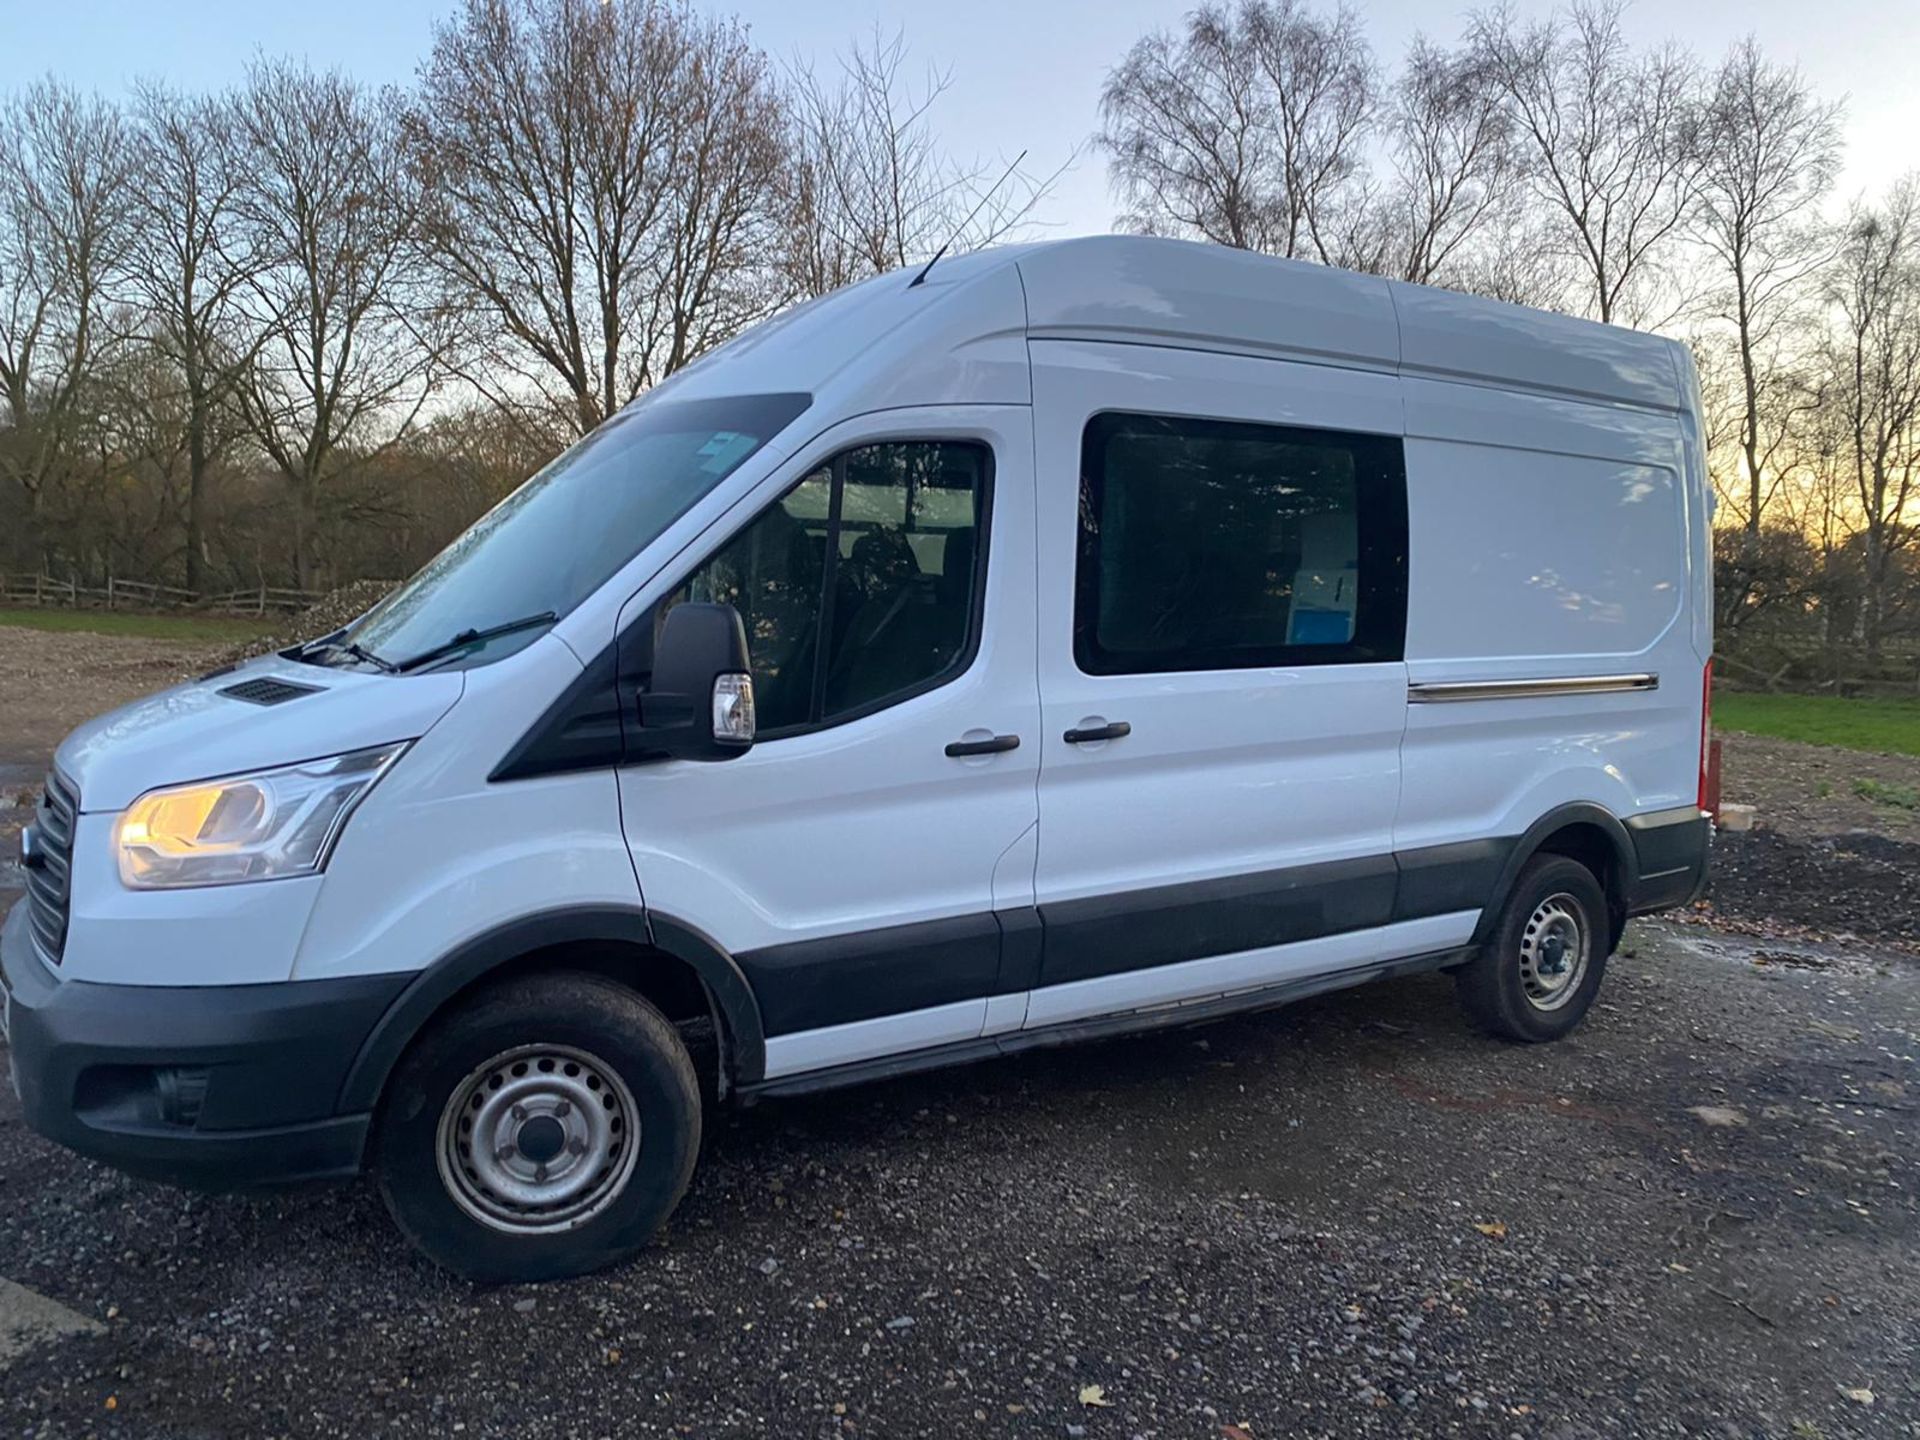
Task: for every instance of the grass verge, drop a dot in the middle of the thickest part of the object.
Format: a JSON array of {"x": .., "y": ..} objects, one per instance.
[
  {"x": 189, "y": 629},
  {"x": 1889, "y": 726}
]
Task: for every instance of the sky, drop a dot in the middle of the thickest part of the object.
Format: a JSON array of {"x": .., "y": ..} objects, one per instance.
[{"x": 1026, "y": 74}]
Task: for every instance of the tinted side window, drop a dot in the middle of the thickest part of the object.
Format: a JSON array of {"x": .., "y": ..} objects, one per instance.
[
  {"x": 1207, "y": 545},
  {"x": 860, "y": 586}
]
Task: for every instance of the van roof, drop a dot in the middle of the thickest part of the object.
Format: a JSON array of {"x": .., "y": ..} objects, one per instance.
[
  {"x": 1135, "y": 289},
  {"x": 1177, "y": 292}
]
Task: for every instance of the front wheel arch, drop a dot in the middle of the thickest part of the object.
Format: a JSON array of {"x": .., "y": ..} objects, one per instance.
[{"x": 653, "y": 952}]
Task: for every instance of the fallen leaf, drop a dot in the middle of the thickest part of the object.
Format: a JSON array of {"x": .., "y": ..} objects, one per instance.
[
  {"x": 1242, "y": 1431},
  {"x": 113, "y": 1401},
  {"x": 1492, "y": 1229},
  {"x": 1094, "y": 1395},
  {"x": 1860, "y": 1395}
]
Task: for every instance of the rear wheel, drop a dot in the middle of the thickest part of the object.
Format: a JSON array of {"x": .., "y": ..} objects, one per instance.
[
  {"x": 1537, "y": 974},
  {"x": 544, "y": 1129}
]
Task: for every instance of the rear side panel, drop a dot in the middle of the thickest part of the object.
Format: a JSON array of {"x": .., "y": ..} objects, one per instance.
[{"x": 1553, "y": 540}]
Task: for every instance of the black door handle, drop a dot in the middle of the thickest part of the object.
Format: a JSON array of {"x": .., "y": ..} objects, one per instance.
[
  {"x": 991, "y": 746},
  {"x": 1112, "y": 730}
]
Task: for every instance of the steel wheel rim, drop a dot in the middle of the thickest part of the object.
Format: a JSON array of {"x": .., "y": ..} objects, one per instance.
[
  {"x": 540, "y": 1138},
  {"x": 1555, "y": 948}
]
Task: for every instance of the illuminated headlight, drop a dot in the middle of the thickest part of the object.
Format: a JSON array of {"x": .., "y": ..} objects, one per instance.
[{"x": 263, "y": 826}]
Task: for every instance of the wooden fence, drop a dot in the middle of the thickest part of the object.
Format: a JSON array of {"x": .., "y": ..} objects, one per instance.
[
  {"x": 1753, "y": 663},
  {"x": 116, "y": 594}
]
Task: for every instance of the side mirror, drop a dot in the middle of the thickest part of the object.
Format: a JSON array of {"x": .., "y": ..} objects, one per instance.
[{"x": 699, "y": 705}]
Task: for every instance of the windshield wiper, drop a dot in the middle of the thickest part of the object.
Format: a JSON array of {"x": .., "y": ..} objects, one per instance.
[
  {"x": 467, "y": 638},
  {"x": 353, "y": 648}
]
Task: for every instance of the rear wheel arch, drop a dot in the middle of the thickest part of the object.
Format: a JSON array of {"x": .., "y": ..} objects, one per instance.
[
  {"x": 1582, "y": 831},
  {"x": 677, "y": 969}
]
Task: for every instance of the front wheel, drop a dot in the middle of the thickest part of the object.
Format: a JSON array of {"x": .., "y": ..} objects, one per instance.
[
  {"x": 1537, "y": 974},
  {"x": 544, "y": 1129}
]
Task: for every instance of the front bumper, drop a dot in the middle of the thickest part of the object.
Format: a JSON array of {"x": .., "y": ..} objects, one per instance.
[{"x": 215, "y": 1087}]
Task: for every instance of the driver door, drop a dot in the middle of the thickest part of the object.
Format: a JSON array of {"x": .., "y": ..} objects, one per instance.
[{"x": 853, "y": 860}]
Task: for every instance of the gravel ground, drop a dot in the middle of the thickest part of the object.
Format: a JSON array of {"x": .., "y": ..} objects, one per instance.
[
  {"x": 1852, "y": 884},
  {"x": 1823, "y": 862},
  {"x": 1352, "y": 1217},
  {"x": 1808, "y": 789}
]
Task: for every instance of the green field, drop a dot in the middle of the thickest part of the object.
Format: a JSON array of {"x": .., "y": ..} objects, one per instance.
[
  {"x": 212, "y": 629},
  {"x": 1890, "y": 726}
]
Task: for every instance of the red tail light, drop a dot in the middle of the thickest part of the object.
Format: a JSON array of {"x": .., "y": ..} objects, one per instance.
[{"x": 1707, "y": 799}]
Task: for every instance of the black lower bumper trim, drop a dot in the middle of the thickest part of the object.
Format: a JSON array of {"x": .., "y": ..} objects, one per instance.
[{"x": 99, "y": 1069}]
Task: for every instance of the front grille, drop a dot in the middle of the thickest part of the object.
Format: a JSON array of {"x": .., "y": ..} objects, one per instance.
[{"x": 49, "y": 882}]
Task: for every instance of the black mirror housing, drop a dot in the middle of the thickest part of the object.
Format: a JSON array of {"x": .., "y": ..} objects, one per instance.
[{"x": 700, "y": 670}]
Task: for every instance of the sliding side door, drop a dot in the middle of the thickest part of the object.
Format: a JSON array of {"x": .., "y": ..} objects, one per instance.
[{"x": 1222, "y": 612}]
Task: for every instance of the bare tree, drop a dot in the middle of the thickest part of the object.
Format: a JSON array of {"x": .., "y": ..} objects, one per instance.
[
  {"x": 1322, "y": 88},
  {"x": 1248, "y": 129},
  {"x": 64, "y": 166},
  {"x": 870, "y": 188},
  {"x": 346, "y": 356},
  {"x": 1186, "y": 131},
  {"x": 1451, "y": 143},
  {"x": 1608, "y": 140},
  {"x": 603, "y": 192},
  {"x": 1768, "y": 154},
  {"x": 1513, "y": 256},
  {"x": 1875, "y": 362},
  {"x": 1447, "y": 139},
  {"x": 188, "y": 269}
]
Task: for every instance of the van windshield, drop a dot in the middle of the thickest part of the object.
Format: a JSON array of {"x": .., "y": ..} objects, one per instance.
[{"x": 564, "y": 533}]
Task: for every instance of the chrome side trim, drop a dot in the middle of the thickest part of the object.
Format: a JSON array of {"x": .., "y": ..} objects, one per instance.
[{"x": 1430, "y": 692}]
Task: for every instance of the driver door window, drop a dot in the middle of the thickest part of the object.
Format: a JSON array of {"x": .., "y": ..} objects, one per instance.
[{"x": 860, "y": 586}]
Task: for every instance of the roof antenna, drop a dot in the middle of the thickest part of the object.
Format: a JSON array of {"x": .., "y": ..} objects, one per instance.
[{"x": 966, "y": 222}]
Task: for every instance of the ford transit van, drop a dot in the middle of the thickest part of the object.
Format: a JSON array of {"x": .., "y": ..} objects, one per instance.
[{"x": 1071, "y": 639}]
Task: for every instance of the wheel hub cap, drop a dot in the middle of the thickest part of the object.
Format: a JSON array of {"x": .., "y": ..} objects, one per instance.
[
  {"x": 1554, "y": 951},
  {"x": 1553, "y": 955},
  {"x": 539, "y": 1138}
]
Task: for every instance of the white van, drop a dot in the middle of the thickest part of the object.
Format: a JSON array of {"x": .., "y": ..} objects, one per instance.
[{"x": 1075, "y": 639}]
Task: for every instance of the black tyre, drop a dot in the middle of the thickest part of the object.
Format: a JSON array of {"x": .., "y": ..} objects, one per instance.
[
  {"x": 1537, "y": 974},
  {"x": 544, "y": 1129}
]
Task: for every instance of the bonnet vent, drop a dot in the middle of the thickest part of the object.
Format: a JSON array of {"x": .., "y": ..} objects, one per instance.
[{"x": 269, "y": 691}]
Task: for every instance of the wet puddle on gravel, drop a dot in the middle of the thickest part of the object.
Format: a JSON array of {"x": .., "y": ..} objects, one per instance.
[{"x": 1807, "y": 957}]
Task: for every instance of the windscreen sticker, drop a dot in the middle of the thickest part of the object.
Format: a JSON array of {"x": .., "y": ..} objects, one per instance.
[{"x": 725, "y": 450}]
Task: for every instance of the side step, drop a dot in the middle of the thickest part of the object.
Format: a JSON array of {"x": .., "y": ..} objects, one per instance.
[{"x": 1100, "y": 1027}]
